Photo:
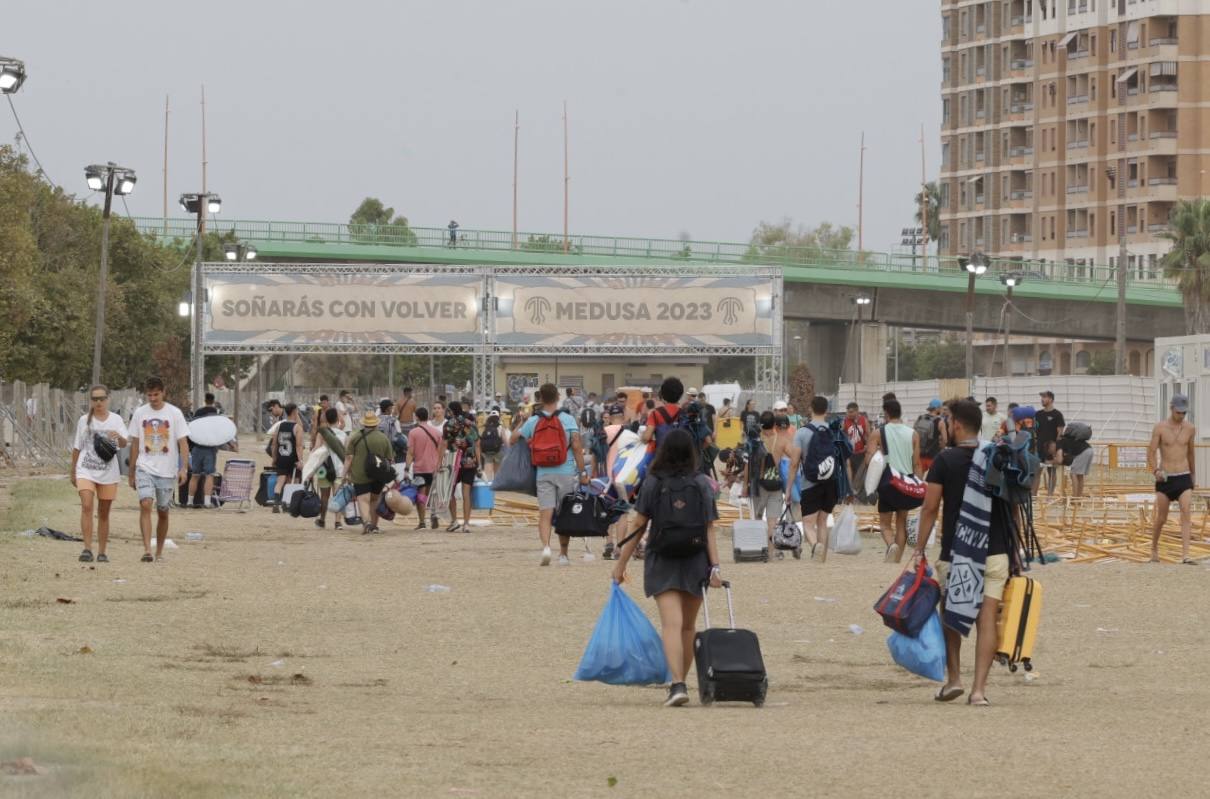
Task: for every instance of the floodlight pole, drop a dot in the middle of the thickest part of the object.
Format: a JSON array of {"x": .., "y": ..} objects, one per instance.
[
  {"x": 102, "y": 283},
  {"x": 197, "y": 371}
]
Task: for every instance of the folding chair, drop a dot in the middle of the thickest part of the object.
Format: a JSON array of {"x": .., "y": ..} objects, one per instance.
[{"x": 236, "y": 488}]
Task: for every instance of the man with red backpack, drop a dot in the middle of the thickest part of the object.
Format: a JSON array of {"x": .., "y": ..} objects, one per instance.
[
  {"x": 553, "y": 437},
  {"x": 667, "y": 417}
]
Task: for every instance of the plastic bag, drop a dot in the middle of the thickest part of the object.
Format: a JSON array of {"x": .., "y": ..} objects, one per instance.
[
  {"x": 873, "y": 473},
  {"x": 923, "y": 655},
  {"x": 625, "y": 648},
  {"x": 845, "y": 539},
  {"x": 796, "y": 486},
  {"x": 516, "y": 472}
]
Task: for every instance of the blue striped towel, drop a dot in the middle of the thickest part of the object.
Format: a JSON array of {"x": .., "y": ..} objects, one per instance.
[{"x": 968, "y": 555}]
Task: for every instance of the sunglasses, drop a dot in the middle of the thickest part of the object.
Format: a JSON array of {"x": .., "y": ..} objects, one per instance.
[{"x": 99, "y": 399}]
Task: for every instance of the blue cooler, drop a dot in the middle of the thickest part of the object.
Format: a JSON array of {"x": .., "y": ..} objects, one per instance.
[{"x": 482, "y": 496}]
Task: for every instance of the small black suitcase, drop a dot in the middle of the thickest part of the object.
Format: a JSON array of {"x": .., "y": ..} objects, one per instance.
[
  {"x": 264, "y": 489},
  {"x": 729, "y": 665},
  {"x": 183, "y": 491}
]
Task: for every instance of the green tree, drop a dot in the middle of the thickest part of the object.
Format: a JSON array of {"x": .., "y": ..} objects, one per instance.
[
  {"x": 934, "y": 208},
  {"x": 932, "y": 360},
  {"x": 1188, "y": 262},
  {"x": 1102, "y": 362},
  {"x": 372, "y": 221},
  {"x": 802, "y": 389},
  {"x": 785, "y": 243}
]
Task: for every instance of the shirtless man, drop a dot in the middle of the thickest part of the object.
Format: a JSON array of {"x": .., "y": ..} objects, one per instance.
[
  {"x": 406, "y": 411},
  {"x": 1175, "y": 477}
]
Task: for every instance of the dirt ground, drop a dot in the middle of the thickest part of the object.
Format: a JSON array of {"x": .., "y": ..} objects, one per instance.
[{"x": 274, "y": 659}]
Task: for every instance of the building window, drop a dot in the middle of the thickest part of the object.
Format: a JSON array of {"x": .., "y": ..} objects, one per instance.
[
  {"x": 1113, "y": 41},
  {"x": 1082, "y": 360}
]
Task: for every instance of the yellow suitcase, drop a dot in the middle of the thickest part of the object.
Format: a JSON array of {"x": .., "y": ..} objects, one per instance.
[{"x": 1017, "y": 622}]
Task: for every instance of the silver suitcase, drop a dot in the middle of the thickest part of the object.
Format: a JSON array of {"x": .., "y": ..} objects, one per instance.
[{"x": 749, "y": 537}]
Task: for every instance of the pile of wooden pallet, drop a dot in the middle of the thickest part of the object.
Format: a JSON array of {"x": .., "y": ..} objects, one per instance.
[{"x": 1116, "y": 528}]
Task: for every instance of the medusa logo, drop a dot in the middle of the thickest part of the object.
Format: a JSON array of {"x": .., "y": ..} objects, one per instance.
[
  {"x": 730, "y": 308},
  {"x": 537, "y": 308}
]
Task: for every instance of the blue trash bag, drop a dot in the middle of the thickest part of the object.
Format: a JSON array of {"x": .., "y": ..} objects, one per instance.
[
  {"x": 625, "y": 648},
  {"x": 923, "y": 655},
  {"x": 796, "y": 489},
  {"x": 516, "y": 471}
]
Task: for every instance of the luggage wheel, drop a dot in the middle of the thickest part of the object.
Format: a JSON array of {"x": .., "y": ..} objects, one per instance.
[
  {"x": 1029, "y": 666},
  {"x": 1012, "y": 667}
]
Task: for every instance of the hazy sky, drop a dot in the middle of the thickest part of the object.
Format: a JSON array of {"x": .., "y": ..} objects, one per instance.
[{"x": 697, "y": 116}]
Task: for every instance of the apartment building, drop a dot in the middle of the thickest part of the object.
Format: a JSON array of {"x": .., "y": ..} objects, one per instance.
[{"x": 1067, "y": 122}]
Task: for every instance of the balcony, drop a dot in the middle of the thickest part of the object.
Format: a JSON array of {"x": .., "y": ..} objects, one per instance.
[
  {"x": 1077, "y": 99},
  {"x": 1020, "y": 238},
  {"x": 1077, "y": 55},
  {"x": 1078, "y": 189},
  {"x": 1077, "y": 234},
  {"x": 1077, "y": 144},
  {"x": 1157, "y": 227}
]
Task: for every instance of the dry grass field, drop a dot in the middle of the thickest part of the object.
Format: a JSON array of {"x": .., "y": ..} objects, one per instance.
[{"x": 273, "y": 659}]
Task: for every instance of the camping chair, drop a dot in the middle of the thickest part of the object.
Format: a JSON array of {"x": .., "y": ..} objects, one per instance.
[{"x": 238, "y": 476}]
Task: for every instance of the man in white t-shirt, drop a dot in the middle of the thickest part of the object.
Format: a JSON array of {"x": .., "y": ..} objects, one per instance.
[
  {"x": 159, "y": 456},
  {"x": 344, "y": 406}
]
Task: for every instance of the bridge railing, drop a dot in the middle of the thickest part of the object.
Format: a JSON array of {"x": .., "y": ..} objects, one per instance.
[{"x": 645, "y": 248}]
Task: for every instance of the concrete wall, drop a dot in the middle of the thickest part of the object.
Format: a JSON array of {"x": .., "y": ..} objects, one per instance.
[
  {"x": 1118, "y": 408},
  {"x": 597, "y": 375}
]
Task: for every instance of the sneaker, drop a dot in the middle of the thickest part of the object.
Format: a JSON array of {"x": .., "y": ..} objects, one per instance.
[
  {"x": 678, "y": 695},
  {"x": 102, "y": 558},
  {"x": 198, "y": 505},
  {"x": 276, "y": 508},
  {"x": 453, "y": 528},
  {"x": 434, "y": 523},
  {"x": 336, "y": 525},
  {"x": 320, "y": 524},
  {"x": 86, "y": 556},
  {"x": 564, "y": 560},
  {"x": 421, "y": 526},
  {"x": 545, "y": 556},
  {"x": 608, "y": 553}
]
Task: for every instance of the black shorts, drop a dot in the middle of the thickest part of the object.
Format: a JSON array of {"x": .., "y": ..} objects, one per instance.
[
  {"x": 1174, "y": 486},
  {"x": 424, "y": 478},
  {"x": 467, "y": 476},
  {"x": 285, "y": 467},
  {"x": 819, "y": 498},
  {"x": 361, "y": 489}
]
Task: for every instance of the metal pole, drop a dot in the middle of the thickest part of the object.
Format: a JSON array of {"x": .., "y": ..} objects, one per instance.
[
  {"x": 861, "y": 199},
  {"x": 391, "y": 373},
  {"x": 925, "y": 200},
  {"x": 103, "y": 281},
  {"x": 516, "y": 138},
  {"x": 898, "y": 332},
  {"x": 196, "y": 366},
  {"x": 566, "y": 178},
  {"x": 1119, "y": 366},
  {"x": 1008, "y": 326},
  {"x": 970, "y": 328},
  {"x": 165, "y": 166},
  {"x": 432, "y": 381}
]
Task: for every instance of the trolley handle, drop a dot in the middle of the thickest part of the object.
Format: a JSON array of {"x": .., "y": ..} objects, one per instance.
[{"x": 706, "y": 603}]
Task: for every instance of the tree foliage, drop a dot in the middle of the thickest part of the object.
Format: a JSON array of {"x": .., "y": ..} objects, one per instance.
[
  {"x": 50, "y": 245},
  {"x": 1102, "y": 362},
  {"x": 802, "y": 388},
  {"x": 374, "y": 221},
  {"x": 934, "y": 209},
  {"x": 790, "y": 244},
  {"x": 931, "y": 360},
  {"x": 1188, "y": 262}
]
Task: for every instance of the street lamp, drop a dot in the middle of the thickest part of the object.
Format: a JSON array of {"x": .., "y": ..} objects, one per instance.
[
  {"x": 12, "y": 74},
  {"x": 200, "y": 204},
  {"x": 239, "y": 252},
  {"x": 1010, "y": 280},
  {"x": 184, "y": 307},
  {"x": 975, "y": 265},
  {"x": 111, "y": 179},
  {"x": 1119, "y": 365},
  {"x": 798, "y": 348},
  {"x": 861, "y": 301}
]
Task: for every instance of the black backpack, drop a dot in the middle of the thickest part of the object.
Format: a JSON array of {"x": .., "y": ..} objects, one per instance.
[
  {"x": 928, "y": 427},
  {"x": 770, "y": 474},
  {"x": 490, "y": 442},
  {"x": 680, "y": 519},
  {"x": 378, "y": 470}
]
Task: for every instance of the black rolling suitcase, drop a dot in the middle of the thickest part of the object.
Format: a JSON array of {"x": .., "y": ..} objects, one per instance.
[
  {"x": 729, "y": 665},
  {"x": 183, "y": 498}
]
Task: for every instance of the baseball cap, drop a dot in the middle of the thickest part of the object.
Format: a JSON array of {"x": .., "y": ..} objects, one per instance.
[
  {"x": 934, "y": 403},
  {"x": 1180, "y": 403},
  {"x": 614, "y": 409},
  {"x": 780, "y": 405}
]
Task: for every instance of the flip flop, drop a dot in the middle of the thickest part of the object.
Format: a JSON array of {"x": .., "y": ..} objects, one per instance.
[
  {"x": 147, "y": 558},
  {"x": 979, "y": 703},
  {"x": 948, "y": 694},
  {"x": 1189, "y": 562}
]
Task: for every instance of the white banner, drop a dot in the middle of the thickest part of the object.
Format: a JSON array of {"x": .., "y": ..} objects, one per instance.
[
  {"x": 599, "y": 311},
  {"x": 398, "y": 306}
]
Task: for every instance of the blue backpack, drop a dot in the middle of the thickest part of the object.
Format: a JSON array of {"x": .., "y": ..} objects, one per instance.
[
  {"x": 669, "y": 424},
  {"x": 819, "y": 461}
]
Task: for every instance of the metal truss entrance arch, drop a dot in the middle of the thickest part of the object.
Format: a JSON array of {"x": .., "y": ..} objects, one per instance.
[{"x": 491, "y": 311}]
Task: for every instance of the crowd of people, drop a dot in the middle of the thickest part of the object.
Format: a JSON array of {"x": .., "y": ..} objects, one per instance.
[{"x": 785, "y": 466}]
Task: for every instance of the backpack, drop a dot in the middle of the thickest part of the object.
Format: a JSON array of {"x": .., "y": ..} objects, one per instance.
[
  {"x": 1078, "y": 431},
  {"x": 770, "y": 475},
  {"x": 588, "y": 418},
  {"x": 490, "y": 442},
  {"x": 679, "y": 522},
  {"x": 930, "y": 440},
  {"x": 669, "y": 424},
  {"x": 378, "y": 470},
  {"x": 548, "y": 445},
  {"x": 819, "y": 461}
]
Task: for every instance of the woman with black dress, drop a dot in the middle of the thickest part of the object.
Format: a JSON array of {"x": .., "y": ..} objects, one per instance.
[{"x": 682, "y": 551}]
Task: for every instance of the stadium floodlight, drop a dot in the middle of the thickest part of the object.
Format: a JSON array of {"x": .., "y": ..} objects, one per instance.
[{"x": 12, "y": 75}]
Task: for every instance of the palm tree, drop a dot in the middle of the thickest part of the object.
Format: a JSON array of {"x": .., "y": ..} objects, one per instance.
[
  {"x": 934, "y": 208},
  {"x": 1189, "y": 260}
]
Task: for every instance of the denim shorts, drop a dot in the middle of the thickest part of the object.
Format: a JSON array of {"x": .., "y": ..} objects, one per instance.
[
  {"x": 160, "y": 489},
  {"x": 202, "y": 460}
]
